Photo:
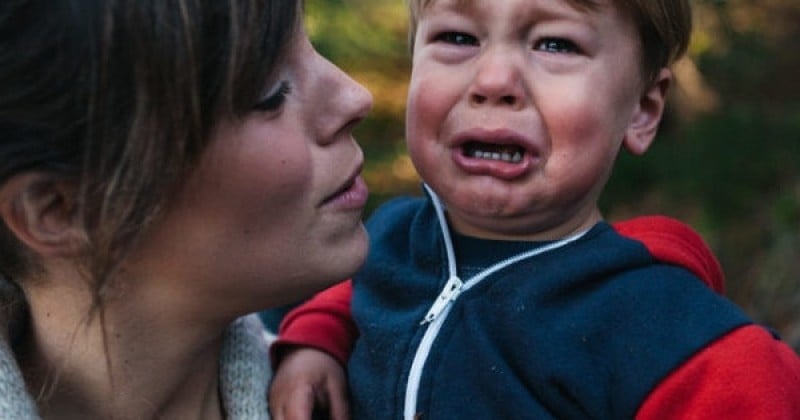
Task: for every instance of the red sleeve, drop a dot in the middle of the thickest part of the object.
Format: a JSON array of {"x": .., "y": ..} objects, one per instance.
[
  {"x": 324, "y": 322},
  {"x": 747, "y": 374},
  {"x": 673, "y": 242}
]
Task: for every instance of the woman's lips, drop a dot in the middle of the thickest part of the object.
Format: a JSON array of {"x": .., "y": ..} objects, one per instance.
[{"x": 353, "y": 196}]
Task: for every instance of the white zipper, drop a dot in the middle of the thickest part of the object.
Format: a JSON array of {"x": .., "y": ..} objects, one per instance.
[
  {"x": 451, "y": 290},
  {"x": 440, "y": 308}
]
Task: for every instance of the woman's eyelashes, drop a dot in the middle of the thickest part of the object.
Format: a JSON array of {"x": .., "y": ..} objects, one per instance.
[{"x": 275, "y": 99}]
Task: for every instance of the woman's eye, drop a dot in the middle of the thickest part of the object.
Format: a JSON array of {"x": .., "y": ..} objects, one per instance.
[
  {"x": 456, "y": 38},
  {"x": 556, "y": 45},
  {"x": 274, "y": 99}
]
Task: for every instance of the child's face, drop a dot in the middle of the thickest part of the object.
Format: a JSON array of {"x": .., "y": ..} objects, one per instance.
[{"x": 518, "y": 108}]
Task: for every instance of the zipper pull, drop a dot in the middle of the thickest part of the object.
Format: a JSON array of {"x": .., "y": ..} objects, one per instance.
[{"x": 449, "y": 294}]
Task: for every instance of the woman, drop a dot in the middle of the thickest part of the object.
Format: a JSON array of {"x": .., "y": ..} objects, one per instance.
[{"x": 166, "y": 167}]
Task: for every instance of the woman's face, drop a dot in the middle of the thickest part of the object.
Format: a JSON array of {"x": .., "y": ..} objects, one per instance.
[{"x": 273, "y": 212}]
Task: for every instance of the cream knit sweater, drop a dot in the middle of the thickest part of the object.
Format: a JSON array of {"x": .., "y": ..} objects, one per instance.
[{"x": 244, "y": 372}]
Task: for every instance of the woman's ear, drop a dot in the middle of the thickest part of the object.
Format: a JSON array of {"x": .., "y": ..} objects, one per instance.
[
  {"x": 41, "y": 212},
  {"x": 644, "y": 123}
]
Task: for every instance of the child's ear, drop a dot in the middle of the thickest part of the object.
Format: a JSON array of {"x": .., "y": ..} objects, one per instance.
[
  {"x": 41, "y": 212},
  {"x": 644, "y": 123}
]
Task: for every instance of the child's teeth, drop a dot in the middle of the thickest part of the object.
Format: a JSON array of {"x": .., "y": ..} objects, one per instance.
[
  {"x": 511, "y": 156},
  {"x": 505, "y": 156}
]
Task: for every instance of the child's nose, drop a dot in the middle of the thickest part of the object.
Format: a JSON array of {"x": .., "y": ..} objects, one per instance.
[{"x": 497, "y": 82}]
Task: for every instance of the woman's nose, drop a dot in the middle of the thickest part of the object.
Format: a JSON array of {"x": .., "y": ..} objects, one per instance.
[
  {"x": 497, "y": 81},
  {"x": 345, "y": 97},
  {"x": 360, "y": 97}
]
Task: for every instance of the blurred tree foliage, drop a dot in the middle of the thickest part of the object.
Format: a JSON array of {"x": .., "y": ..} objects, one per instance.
[{"x": 727, "y": 160}]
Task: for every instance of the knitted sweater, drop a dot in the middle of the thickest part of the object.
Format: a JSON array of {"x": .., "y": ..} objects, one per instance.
[{"x": 244, "y": 372}]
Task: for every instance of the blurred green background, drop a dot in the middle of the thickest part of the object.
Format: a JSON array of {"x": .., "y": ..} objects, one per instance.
[{"x": 727, "y": 160}]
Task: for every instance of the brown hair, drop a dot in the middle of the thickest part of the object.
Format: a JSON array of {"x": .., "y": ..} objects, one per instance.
[
  {"x": 120, "y": 96},
  {"x": 665, "y": 27}
]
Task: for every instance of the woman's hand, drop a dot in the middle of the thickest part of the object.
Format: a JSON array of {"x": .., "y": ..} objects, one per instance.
[{"x": 309, "y": 384}]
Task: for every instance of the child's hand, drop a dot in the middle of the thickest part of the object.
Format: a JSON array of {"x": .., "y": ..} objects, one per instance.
[{"x": 308, "y": 384}]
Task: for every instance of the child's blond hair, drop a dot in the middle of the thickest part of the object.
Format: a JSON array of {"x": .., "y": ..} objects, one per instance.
[{"x": 664, "y": 26}]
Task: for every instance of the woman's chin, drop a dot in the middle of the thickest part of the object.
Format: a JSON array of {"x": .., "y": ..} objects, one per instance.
[
  {"x": 344, "y": 260},
  {"x": 350, "y": 257}
]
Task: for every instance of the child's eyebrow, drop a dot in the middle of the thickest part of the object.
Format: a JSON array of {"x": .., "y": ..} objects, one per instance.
[
  {"x": 473, "y": 6},
  {"x": 449, "y": 4}
]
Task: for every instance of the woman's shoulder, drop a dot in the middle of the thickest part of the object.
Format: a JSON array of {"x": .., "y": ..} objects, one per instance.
[
  {"x": 15, "y": 402},
  {"x": 245, "y": 370}
]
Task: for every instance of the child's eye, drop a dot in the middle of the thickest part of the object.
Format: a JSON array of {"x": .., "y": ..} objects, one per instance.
[
  {"x": 556, "y": 45},
  {"x": 274, "y": 99},
  {"x": 456, "y": 38}
]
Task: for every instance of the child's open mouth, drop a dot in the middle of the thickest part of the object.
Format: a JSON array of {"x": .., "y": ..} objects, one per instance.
[{"x": 502, "y": 152}]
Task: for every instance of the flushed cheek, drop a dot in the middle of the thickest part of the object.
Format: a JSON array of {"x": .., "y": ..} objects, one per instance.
[
  {"x": 431, "y": 97},
  {"x": 577, "y": 129},
  {"x": 582, "y": 119},
  {"x": 430, "y": 107}
]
